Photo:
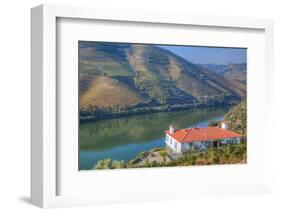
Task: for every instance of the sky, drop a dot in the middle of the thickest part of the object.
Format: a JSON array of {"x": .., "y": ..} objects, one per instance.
[{"x": 209, "y": 55}]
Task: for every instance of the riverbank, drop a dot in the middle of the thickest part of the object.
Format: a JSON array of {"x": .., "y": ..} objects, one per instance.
[
  {"x": 158, "y": 157},
  {"x": 97, "y": 114}
]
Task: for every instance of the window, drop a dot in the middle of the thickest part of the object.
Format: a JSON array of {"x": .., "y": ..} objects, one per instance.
[
  {"x": 175, "y": 145},
  {"x": 208, "y": 144}
]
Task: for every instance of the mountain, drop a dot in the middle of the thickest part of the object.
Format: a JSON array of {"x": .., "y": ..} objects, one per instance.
[
  {"x": 217, "y": 68},
  {"x": 118, "y": 78},
  {"x": 237, "y": 72}
]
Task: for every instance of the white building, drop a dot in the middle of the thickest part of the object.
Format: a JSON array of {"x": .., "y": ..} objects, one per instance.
[{"x": 184, "y": 140}]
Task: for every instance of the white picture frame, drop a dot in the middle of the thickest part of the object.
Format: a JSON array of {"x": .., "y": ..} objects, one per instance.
[{"x": 44, "y": 149}]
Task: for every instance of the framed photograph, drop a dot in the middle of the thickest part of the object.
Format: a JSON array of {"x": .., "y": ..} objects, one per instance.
[{"x": 131, "y": 106}]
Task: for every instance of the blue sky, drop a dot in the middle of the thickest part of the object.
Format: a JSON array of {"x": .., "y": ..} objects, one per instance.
[{"x": 212, "y": 55}]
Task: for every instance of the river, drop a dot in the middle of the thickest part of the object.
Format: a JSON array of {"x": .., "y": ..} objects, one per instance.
[{"x": 125, "y": 138}]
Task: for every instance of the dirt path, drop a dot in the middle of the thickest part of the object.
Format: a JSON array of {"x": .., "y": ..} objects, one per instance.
[{"x": 152, "y": 156}]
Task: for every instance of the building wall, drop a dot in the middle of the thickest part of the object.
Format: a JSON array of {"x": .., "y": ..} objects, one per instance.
[
  {"x": 173, "y": 144},
  {"x": 236, "y": 140},
  {"x": 204, "y": 145},
  {"x": 197, "y": 145}
]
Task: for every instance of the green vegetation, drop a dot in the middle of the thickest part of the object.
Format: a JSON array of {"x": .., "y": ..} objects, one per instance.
[
  {"x": 163, "y": 154},
  {"x": 121, "y": 79},
  {"x": 214, "y": 123},
  {"x": 237, "y": 118},
  {"x": 230, "y": 154},
  {"x": 110, "y": 164}
]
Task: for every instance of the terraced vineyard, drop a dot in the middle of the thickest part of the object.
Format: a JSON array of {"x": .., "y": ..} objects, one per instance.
[{"x": 119, "y": 79}]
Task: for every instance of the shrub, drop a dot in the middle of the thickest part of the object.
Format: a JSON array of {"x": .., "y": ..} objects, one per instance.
[
  {"x": 214, "y": 123},
  {"x": 110, "y": 164}
]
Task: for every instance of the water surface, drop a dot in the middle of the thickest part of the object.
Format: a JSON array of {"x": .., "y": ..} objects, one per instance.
[{"x": 125, "y": 138}]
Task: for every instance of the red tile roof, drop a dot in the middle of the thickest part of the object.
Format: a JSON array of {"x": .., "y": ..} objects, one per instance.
[{"x": 201, "y": 134}]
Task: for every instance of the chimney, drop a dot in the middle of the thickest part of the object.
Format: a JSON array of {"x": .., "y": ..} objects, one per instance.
[
  {"x": 223, "y": 125},
  {"x": 172, "y": 130}
]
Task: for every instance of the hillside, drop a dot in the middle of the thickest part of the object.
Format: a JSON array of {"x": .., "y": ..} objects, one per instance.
[
  {"x": 144, "y": 76},
  {"x": 107, "y": 92},
  {"x": 217, "y": 68},
  {"x": 236, "y": 72},
  {"x": 236, "y": 118}
]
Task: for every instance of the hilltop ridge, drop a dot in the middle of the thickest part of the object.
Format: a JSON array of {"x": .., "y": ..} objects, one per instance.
[{"x": 123, "y": 78}]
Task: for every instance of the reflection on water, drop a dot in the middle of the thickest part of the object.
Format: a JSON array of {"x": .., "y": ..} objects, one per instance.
[{"x": 124, "y": 138}]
